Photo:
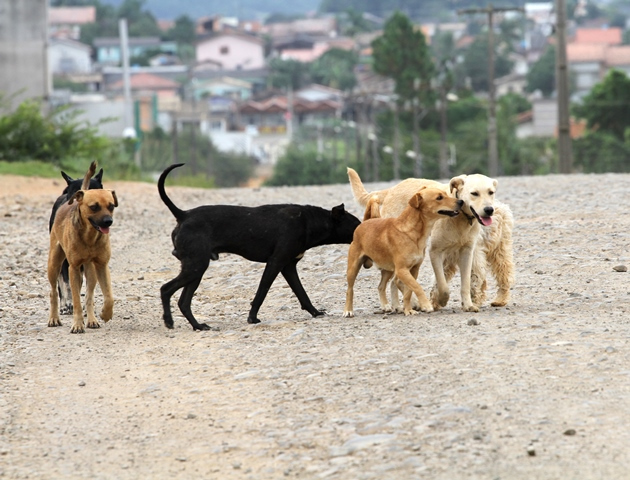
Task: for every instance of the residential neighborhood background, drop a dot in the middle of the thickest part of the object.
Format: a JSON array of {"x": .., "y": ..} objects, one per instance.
[{"x": 222, "y": 84}]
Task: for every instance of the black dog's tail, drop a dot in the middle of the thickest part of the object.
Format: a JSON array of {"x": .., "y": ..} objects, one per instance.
[{"x": 178, "y": 213}]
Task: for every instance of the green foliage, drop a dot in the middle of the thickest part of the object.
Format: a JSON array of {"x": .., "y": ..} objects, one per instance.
[
  {"x": 214, "y": 168},
  {"x": 335, "y": 69},
  {"x": 353, "y": 22},
  {"x": 288, "y": 73},
  {"x": 541, "y": 76},
  {"x": 475, "y": 64},
  {"x": 61, "y": 83},
  {"x": 607, "y": 105},
  {"x": 401, "y": 53},
  {"x": 600, "y": 152},
  {"x": 300, "y": 166},
  {"x": 183, "y": 32}
]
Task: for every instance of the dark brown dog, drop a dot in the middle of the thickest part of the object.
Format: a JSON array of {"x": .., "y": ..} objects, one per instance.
[
  {"x": 80, "y": 234},
  {"x": 396, "y": 246}
]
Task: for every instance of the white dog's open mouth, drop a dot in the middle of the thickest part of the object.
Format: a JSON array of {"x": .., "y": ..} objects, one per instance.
[{"x": 485, "y": 221}]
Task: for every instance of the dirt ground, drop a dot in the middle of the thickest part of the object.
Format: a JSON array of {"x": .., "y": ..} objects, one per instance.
[{"x": 537, "y": 390}]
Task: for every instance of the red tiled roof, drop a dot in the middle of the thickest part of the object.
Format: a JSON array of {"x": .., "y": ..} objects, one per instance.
[
  {"x": 585, "y": 52},
  {"x": 608, "y": 36},
  {"x": 618, "y": 56},
  {"x": 71, "y": 15}
]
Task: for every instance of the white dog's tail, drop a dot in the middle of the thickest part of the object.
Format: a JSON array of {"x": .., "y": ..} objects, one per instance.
[
  {"x": 361, "y": 195},
  {"x": 373, "y": 208}
]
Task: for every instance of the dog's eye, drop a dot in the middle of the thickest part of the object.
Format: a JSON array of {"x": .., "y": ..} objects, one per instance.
[
  {"x": 111, "y": 207},
  {"x": 440, "y": 197},
  {"x": 95, "y": 208},
  {"x": 491, "y": 192},
  {"x": 474, "y": 194}
]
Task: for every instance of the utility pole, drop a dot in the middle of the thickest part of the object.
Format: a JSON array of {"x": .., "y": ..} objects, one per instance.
[
  {"x": 493, "y": 152},
  {"x": 565, "y": 151}
]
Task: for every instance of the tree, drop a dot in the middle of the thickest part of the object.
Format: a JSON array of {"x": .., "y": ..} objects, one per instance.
[
  {"x": 476, "y": 63},
  {"x": 542, "y": 75},
  {"x": 401, "y": 53},
  {"x": 607, "y": 106},
  {"x": 288, "y": 73},
  {"x": 183, "y": 31},
  {"x": 335, "y": 69}
]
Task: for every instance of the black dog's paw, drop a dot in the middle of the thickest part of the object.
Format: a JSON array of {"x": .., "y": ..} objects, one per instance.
[
  {"x": 319, "y": 313},
  {"x": 201, "y": 326},
  {"x": 168, "y": 323},
  {"x": 66, "y": 310},
  {"x": 252, "y": 321}
]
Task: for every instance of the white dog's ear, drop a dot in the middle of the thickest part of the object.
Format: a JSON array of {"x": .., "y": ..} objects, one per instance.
[
  {"x": 416, "y": 200},
  {"x": 495, "y": 183},
  {"x": 456, "y": 183}
]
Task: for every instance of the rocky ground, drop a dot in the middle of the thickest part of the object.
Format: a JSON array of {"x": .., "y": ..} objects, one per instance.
[{"x": 537, "y": 390}]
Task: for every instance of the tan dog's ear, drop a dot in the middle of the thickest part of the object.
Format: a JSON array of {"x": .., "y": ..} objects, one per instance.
[
  {"x": 115, "y": 198},
  {"x": 456, "y": 183},
  {"x": 416, "y": 200},
  {"x": 77, "y": 196}
]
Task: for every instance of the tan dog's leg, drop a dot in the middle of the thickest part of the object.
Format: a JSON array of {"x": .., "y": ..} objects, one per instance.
[
  {"x": 355, "y": 261},
  {"x": 105, "y": 282},
  {"x": 409, "y": 279},
  {"x": 76, "y": 282},
  {"x": 465, "y": 270},
  {"x": 56, "y": 257},
  {"x": 386, "y": 275},
  {"x": 478, "y": 284},
  {"x": 90, "y": 285},
  {"x": 394, "y": 287}
]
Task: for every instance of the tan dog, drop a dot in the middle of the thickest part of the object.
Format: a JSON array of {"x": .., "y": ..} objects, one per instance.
[
  {"x": 80, "y": 233},
  {"x": 470, "y": 242},
  {"x": 397, "y": 245}
]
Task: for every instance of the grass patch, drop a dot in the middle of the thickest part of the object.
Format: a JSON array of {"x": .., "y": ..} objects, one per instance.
[
  {"x": 195, "y": 181},
  {"x": 32, "y": 168}
]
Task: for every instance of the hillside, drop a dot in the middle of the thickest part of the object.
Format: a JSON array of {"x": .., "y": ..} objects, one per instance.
[{"x": 250, "y": 9}]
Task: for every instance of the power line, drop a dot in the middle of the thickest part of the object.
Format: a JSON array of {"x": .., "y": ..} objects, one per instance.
[{"x": 493, "y": 153}]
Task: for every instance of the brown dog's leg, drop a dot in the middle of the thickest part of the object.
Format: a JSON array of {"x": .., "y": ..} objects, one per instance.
[
  {"x": 386, "y": 275},
  {"x": 76, "y": 282},
  {"x": 90, "y": 285},
  {"x": 105, "y": 282},
  {"x": 407, "y": 277},
  {"x": 355, "y": 260},
  {"x": 56, "y": 257}
]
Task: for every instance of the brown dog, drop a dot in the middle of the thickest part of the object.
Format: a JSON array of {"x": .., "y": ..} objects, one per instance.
[
  {"x": 80, "y": 233},
  {"x": 397, "y": 245}
]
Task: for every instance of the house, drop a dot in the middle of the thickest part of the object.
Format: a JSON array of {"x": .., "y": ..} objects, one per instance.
[
  {"x": 146, "y": 84},
  {"x": 314, "y": 27},
  {"x": 66, "y": 22},
  {"x": 232, "y": 51},
  {"x": 592, "y": 53},
  {"x": 225, "y": 86},
  {"x": 307, "y": 52},
  {"x": 108, "y": 51},
  {"x": 67, "y": 56},
  {"x": 512, "y": 83}
]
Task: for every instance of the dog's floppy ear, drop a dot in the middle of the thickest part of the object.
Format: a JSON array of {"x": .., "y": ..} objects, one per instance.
[
  {"x": 115, "y": 198},
  {"x": 417, "y": 199},
  {"x": 78, "y": 196},
  {"x": 456, "y": 183},
  {"x": 338, "y": 211}
]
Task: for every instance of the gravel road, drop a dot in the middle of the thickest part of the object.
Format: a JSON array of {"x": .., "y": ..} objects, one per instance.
[{"x": 537, "y": 390}]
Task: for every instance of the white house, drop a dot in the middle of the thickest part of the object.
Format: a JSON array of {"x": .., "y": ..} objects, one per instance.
[
  {"x": 232, "y": 51},
  {"x": 66, "y": 56}
]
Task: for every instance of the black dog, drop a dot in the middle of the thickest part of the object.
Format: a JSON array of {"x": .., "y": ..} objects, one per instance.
[
  {"x": 72, "y": 187},
  {"x": 277, "y": 235}
]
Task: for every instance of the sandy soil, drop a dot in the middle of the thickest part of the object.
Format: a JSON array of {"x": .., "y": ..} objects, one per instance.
[{"x": 537, "y": 390}]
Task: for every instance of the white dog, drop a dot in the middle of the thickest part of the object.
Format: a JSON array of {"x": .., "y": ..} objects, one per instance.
[{"x": 481, "y": 236}]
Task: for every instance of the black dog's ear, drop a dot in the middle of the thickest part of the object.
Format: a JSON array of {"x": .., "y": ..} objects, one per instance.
[
  {"x": 78, "y": 196},
  {"x": 67, "y": 178},
  {"x": 99, "y": 176},
  {"x": 338, "y": 211}
]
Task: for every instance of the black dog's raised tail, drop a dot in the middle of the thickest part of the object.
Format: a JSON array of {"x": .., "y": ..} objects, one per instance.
[{"x": 177, "y": 213}]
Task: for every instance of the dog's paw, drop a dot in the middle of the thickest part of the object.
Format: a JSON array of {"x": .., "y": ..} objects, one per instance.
[
  {"x": 470, "y": 308},
  {"x": 387, "y": 308},
  {"x": 426, "y": 308},
  {"x": 66, "y": 310},
  {"x": 54, "y": 322},
  {"x": 319, "y": 313},
  {"x": 252, "y": 320},
  {"x": 201, "y": 326},
  {"x": 348, "y": 314},
  {"x": 93, "y": 324},
  {"x": 500, "y": 303},
  {"x": 411, "y": 311},
  {"x": 77, "y": 329}
]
